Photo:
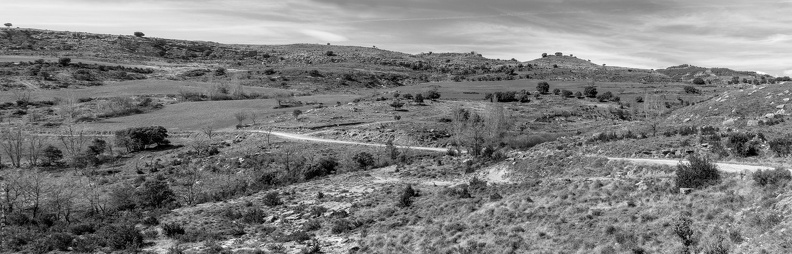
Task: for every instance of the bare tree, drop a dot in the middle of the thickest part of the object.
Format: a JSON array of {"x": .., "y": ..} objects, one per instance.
[
  {"x": 35, "y": 145},
  {"x": 11, "y": 191},
  {"x": 240, "y": 117},
  {"x": 73, "y": 140},
  {"x": 252, "y": 116},
  {"x": 62, "y": 199},
  {"x": 36, "y": 189},
  {"x": 12, "y": 141},
  {"x": 209, "y": 131},
  {"x": 497, "y": 124}
]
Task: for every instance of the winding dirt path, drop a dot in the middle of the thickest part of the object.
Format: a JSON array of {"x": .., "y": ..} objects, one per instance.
[
  {"x": 726, "y": 167},
  {"x": 322, "y": 140}
]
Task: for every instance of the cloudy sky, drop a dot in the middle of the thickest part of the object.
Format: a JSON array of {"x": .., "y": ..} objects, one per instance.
[{"x": 746, "y": 35}]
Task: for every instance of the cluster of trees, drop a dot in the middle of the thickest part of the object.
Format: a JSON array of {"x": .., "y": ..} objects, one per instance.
[
  {"x": 509, "y": 96},
  {"x": 138, "y": 138},
  {"x": 480, "y": 134}
]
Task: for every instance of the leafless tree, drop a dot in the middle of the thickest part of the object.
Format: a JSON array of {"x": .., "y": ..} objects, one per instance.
[
  {"x": 240, "y": 117},
  {"x": 36, "y": 188},
  {"x": 252, "y": 116},
  {"x": 209, "y": 131},
  {"x": 11, "y": 191},
  {"x": 12, "y": 141},
  {"x": 73, "y": 140},
  {"x": 35, "y": 144},
  {"x": 61, "y": 201},
  {"x": 497, "y": 124}
]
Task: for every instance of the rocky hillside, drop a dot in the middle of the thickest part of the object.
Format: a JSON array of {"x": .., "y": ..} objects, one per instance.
[{"x": 686, "y": 72}]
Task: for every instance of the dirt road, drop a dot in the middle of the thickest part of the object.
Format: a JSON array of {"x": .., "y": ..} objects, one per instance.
[
  {"x": 726, "y": 167},
  {"x": 315, "y": 139}
]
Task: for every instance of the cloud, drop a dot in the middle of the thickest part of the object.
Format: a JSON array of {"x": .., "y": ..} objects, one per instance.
[
  {"x": 739, "y": 34},
  {"x": 324, "y": 36}
]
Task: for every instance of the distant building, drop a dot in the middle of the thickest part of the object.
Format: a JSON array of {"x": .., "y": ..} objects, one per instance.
[{"x": 559, "y": 54}]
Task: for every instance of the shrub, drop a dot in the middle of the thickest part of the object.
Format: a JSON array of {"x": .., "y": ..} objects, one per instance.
[
  {"x": 683, "y": 230},
  {"x": 59, "y": 241},
  {"x": 51, "y": 155},
  {"x": 363, "y": 160},
  {"x": 781, "y": 146},
  {"x": 405, "y": 199},
  {"x": 578, "y": 94},
  {"x": 342, "y": 226},
  {"x": 172, "y": 229},
  {"x": 136, "y": 139},
  {"x": 312, "y": 225},
  {"x": 741, "y": 144},
  {"x": 699, "y": 81},
  {"x": 120, "y": 237},
  {"x": 139, "y": 34},
  {"x": 64, "y": 61},
  {"x": 432, "y": 95},
  {"x": 155, "y": 193},
  {"x": 605, "y": 96},
  {"x": 774, "y": 177},
  {"x": 323, "y": 167},
  {"x": 82, "y": 228},
  {"x": 556, "y": 91},
  {"x": 590, "y": 91},
  {"x": 691, "y": 89},
  {"x": 543, "y": 87},
  {"x": 566, "y": 93},
  {"x": 272, "y": 199},
  {"x": 699, "y": 173}
]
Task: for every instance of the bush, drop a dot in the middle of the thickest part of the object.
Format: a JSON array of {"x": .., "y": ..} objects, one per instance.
[
  {"x": 312, "y": 225},
  {"x": 543, "y": 87},
  {"x": 172, "y": 229},
  {"x": 432, "y": 95},
  {"x": 155, "y": 193},
  {"x": 343, "y": 226},
  {"x": 699, "y": 81},
  {"x": 775, "y": 177},
  {"x": 323, "y": 167},
  {"x": 578, "y": 94},
  {"x": 590, "y": 91},
  {"x": 139, "y": 34},
  {"x": 405, "y": 199},
  {"x": 272, "y": 199},
  {"x": 120, "y": 237},
  {"x": 741, "y": 144},
  {"x": 556, "y": 91},
  {"x": 136, "y": 139},
  {"x": 363, "y": 160},
  {"x": 566, "y": 93},
  {"x": 607, "y": 96},
  {"x": 693, "y": 90},
  {"x": 82, "y": 228},
  {"x": 781, "y": 146},
  {"x": 699, "y": 173},
  {"x": 51, "y": 155},
  {"x": 59, "y": 241}
]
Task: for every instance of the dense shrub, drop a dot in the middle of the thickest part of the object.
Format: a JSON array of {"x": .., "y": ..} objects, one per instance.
[
  {"x": 405, "y": 198},
  {"x": 699, "y": 81},
  {"x": 172, "y": 229},
  {"x": 363, "y": 160},
  {"x": 51, "y": 155},
  {"x": 781, "y": 146},
  {"x": 432, "y": 95},
  {"x": 543, "y": 87},
  {"x": 693, "y": 90},
  {"x": 777, "y": 176},
  {"x": 136, "y": 139},
  {"x": 699, "y": 173},
  {"x": 607, "y": 96},
  {"x": 566, "y": 93},
  {"x": 155, "y": 193},
  {"x": 272, "y": 199},
  {"x": 343, "y": 226},
  {"x": 322, "y": 167},
  {"x": 120, "y": 237},
  {"x": 743, "y": 144},
  {"x": 590, "y": 91},
  {"x": 556, "y": 91}
]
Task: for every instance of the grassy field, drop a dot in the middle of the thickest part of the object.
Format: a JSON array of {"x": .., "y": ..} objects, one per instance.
[
  {"x": 191, "y": 116},
  {"x": 136, "y": 87},
  {"x": 626, "y": 90}
]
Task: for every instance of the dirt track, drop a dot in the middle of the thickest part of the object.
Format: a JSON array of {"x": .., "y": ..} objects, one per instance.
[
  {"x": 726, "y": 167},
  {"x": 315, "y": 139}
]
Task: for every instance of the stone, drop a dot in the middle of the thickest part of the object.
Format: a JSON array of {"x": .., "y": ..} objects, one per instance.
[
  {"x": 770, "y": 115},
  {"x": 753, "y": 123},
  {"x": 728, "y": 122},
  {"x": 780, "y": 106}
]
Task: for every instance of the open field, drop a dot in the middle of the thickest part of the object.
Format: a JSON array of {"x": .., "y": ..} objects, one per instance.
[{"x": 192, "y": 116}]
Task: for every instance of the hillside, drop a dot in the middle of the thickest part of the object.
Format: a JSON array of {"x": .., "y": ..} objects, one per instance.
[{"x": 686, "y": 72}]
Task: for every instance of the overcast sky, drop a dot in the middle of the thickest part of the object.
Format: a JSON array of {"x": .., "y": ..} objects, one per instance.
[{"x": 745, "y": 35}]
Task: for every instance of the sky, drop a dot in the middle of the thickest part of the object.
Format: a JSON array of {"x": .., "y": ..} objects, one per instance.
[{"x": 751, "y": 35}]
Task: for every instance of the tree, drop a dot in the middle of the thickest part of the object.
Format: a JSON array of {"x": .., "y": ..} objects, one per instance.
[
  {"x": 296, "y": 113},
  {"x": 556, "y": 91},
  {"x": 419, "y": 99},
  {"x": 699, "y": 81},
  {"x": 699, "y": 172},
  {"x": 590, "y": 91},
  {"x": 220, "y": 71},
  {"x": 12, "y": 142},
  {"x": 578, "y": 94},
  {"x": 240, "y": 117},
  {"x": 64, "y": 61},
  {"x": 51, "y": 155},
  {"x": 691, "y": 89},
  {"x": 605, "y": 96},
  {"x": 543, "y": 87},
  {"x": 397, "y": 105},
  {"x": 139, "y": 34},
  {"x": 432, "y": 94},
  {"x": 363, "y": 160},
  {"x": 566, "y": 93},
  {"x": 138, "y": 138},
  {"x": 544, "y": 55}
]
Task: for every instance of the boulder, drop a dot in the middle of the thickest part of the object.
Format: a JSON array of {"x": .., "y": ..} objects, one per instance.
[{"x": 753, "y": 123}]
